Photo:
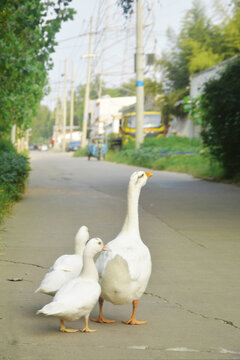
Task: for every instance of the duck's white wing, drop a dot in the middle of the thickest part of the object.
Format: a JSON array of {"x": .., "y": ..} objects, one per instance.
[
  {"x": 65, "y": 268},
  {"x": 79, "y": 295},
  {"x": 71, "y": 263},
  {"x": 74, "y": 300}
]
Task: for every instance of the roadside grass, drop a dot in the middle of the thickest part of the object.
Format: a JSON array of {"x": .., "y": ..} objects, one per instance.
[
  {"x": 174, "y": 143},
  {"x": 173, "y": 153},
  {"x": 176, "y": 154},
  {"x": 81, "y": 152},
  {"x": 199, "y": 165}
]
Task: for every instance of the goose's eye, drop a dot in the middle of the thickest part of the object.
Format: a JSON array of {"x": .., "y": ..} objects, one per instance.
[
  {"x": 99, "y": 243},
  {"x": 140, "y": 176}
]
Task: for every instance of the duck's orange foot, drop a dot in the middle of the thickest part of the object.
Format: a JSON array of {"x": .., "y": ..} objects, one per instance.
[
  {"x": 67, "y": 330},
  {"x": 103, "y": 320},
  {"x": 87, "y": 330},
  {"x": 133, "y": 322}
]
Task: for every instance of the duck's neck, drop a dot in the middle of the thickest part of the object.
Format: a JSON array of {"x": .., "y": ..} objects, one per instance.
[
  {"x": 89, "y": 268},
  {"x": 131, "y": 223},
  {"x": 79, "y": 248}
]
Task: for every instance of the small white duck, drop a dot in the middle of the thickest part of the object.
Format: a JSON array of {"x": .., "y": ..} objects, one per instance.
[
  {"x": 66, "y": 267},
  {"x": 78, "y": 296},
  {"x": 125, "y": 271}
]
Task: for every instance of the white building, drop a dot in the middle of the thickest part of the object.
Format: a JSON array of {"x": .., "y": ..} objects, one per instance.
[
  {"x": 105, "y": 114},
  {"x": 58, "y": 135},
  {"x": 184, "y": 126}
]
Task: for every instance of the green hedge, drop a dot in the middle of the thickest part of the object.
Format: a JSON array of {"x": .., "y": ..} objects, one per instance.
[
  {"x": 14, "y": 170},
  {"x": 221, "y": 123}
]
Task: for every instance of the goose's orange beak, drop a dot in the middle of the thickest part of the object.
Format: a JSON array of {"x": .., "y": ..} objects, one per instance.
[{"x": 148, "y": 174}]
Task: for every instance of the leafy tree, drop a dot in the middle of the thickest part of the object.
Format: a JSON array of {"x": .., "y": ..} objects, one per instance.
[
  {"x": 192, "y": 49},
  {"x": 199, "y": 45},
  {"x": 42, "y": 125},
  {"x": 28, "y": 30},
  {"x": 221, "y": 121},
  {"x": 127, "y": 6}
]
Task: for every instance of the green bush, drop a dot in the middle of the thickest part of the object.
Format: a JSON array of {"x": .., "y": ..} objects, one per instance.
[
  {"x": 6, "y": 146},
  {"x": 14, "y": 170},
  {"x": 221, "y": 123}
]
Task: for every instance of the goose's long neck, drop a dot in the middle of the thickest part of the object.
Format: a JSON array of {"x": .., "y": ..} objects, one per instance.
[
  {"x": 131, "y": 222},
  {"x": 89, "y": 268}
]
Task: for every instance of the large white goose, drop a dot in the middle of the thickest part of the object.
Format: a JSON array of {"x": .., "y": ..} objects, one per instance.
[
  {"x": 66, "y": 267},
  {"x": 78, "y": 296},
  {"x": 125, "y": 271}
]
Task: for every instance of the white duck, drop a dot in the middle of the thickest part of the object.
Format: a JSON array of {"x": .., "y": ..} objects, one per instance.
[
  {"x": 77, "y": 297},
  {"x": 125, "y": 271},
  {"x": 66, "y": 267}
]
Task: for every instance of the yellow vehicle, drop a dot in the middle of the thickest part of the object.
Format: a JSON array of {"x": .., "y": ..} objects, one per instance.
[{"x": 152, "y": 124}]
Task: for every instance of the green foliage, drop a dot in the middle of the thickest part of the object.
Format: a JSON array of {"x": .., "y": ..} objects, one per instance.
[
  {"x": 150, "y": 155},
  {"x": 14, "y": 169},
  {"x": 221, "y": 124},
  {"x": 6, "y": 146},
  {"x": 197, "y": 165},
  {"x": 192, "y": 106},
  {"x": 42, "y": 125},
  {"x": 127, "y": 6},
  {"x": 172, "y": 103},
  {"x": 174, "y": 143},
  {"x": 28, "y": 30},
  {"x": 81, "y": 152},
  {"x": 200, "y": 44}
]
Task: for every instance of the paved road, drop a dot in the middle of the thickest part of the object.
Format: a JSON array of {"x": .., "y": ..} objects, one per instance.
[{"x": 192, "y": 228}]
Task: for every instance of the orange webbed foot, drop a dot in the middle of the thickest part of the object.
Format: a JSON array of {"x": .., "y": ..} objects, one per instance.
[
  {"x": 103, "y": 320},
  {"x": 133, "y": 322}
]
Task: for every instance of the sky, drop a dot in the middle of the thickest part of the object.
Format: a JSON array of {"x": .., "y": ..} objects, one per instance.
[{"x": 114, "y": 50}]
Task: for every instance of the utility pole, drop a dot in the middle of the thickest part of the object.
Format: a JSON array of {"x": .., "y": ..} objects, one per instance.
[
  {"x": 104, "y": 47},
  {"x": 72, "y": 102},
  {"x": 64, "y": 107},
  {"x": 155, "y": 39},
  {"x": 86, "y": 97},
  {"x": 139, "y": 77},
  {"x": 57, "y": 117}
]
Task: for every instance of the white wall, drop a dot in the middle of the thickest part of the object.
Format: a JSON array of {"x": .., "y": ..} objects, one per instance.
[{"x": 198, "y": 80}]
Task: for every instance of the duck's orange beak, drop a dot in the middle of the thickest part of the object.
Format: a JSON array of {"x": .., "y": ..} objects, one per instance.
[
  {"x": 148, "y": 174},
  {"x": 105, "y": 248}
]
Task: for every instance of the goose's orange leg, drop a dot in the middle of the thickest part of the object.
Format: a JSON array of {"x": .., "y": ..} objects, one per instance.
[
  {"x": 101, "y": 319},
  {"x": 133, "y": 320}
]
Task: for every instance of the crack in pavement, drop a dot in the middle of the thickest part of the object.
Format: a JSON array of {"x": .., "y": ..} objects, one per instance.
[
  {"x": 179, "y": 232},
  {"x": 154, "y": 215},
  {"x": 180, "y": 306},
  {"x": 24, "y": 263}
]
